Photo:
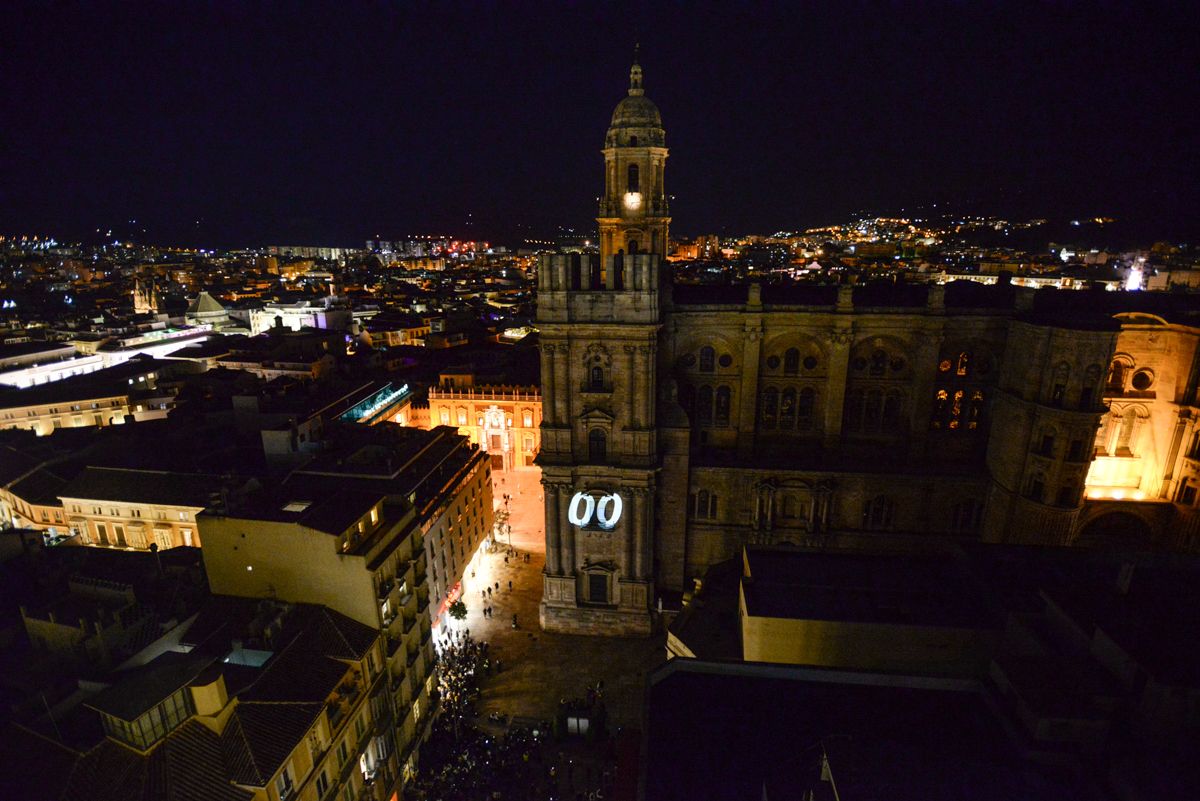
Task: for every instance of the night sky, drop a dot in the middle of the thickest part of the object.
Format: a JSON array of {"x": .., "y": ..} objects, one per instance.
[{"x": 335, "y": 123}]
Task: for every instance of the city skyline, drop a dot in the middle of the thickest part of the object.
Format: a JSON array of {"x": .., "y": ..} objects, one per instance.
[{"x": 370, "y": 122}]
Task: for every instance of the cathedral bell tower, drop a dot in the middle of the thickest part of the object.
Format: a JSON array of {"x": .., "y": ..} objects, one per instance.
[
  {"x": 599, "y": 319},
  {"x": 634, "y": 215}
]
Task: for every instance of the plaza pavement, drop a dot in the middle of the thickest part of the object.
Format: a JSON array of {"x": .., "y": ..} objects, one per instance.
[{"x": 540, "y": 668}]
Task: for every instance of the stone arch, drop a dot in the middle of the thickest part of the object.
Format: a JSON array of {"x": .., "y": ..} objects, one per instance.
[
  {"x": 777, "y": 346},
  {"x": 721, "y": 342},
  {"x": 1115, "y": 529},
  {"x": 865, "y": 361}
]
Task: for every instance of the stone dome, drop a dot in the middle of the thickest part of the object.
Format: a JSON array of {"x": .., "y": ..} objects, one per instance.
[{"x": 636, "y": 111}]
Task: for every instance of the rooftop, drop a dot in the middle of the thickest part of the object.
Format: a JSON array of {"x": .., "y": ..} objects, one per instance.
[
  {"x": 893, "y": 589},
  {"x": 144, "y": 486}
]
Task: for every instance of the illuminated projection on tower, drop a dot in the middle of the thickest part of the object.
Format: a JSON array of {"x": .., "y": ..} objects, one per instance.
[{"x": 587, "y": 509}]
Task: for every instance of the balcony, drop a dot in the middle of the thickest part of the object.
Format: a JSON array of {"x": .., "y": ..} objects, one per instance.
[
  {"x": 409, "y": 622},
  {"x": 343, "y": 701},
  {"x": 412, "y": 656},
  {"x": 385, "y": 589},
  {"x": 422, "y": 603},
  {"x": 393, "y": 645}
]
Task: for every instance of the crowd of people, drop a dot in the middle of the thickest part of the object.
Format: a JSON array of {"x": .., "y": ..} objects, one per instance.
[{"x": 463, "y": 759}]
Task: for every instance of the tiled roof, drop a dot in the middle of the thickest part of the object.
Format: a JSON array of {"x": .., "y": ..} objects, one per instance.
[
  {"x": 39, "y": 487},
  {"x": 143, "y": 486},
  {"x": 187, "y": 766},
  {"x": 142, "y": 688},
  {"x": 260, "y": 736}
]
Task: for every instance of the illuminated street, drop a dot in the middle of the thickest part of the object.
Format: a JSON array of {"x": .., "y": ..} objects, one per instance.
[{"x": 540, "y": 669}]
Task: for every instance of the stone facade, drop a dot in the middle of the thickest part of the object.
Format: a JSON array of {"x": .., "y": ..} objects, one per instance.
[
  {"x": 505, "y": 421},
  {"x": 891, "y": 416}
]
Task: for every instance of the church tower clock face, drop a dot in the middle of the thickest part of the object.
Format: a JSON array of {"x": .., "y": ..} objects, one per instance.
[{"x": 634, "y": 215}]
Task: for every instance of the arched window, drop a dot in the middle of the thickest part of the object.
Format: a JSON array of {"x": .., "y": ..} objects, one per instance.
[
  {"x": 1068, "y": 495},
  {"x": 722, "y": 411},
  {"x": 893, "y": 407},
  {"x": 597, "y": 447},
  {"x": 963, "y": 363},
  {"x": 708, "y": 358},
  {"x": 789, "y": 506},
  {"x": 527, "y": 418},
  {"x": 787, "y": 409},
  {"x": 872, "y": 409},
  {"x": 632, "y": 184},
  {"x": 878, "y": 513},
  {"x": 941, "y": 409},
  {"x": 770, "y": 407},
  {"x": 791, "y": 361},
  {"x": 462, "y": 417},
  {"x": 687, "y": 398},
  {"x": 445, "y": 415},
  {"x": 704, "y": 405},
  {"x": 1058, "y": 386},
  {"x": 1087, "y": 393},
  {"x": 975, "y": 409},
  {"x": 596, "y": 379},
  {"x": 705, "y": 505},
  {"x": 965, "y": 516},
  {"x": 879, "y": 362},
  {"x": 852, "y": 410},
  {"x": 1046, "y": 443},
  {"x": 804, "y": 409},
  {"x": 1035, "y": 490},
  {"x": 1116, "y": 376},
  {"x": 633, "y": 140}
]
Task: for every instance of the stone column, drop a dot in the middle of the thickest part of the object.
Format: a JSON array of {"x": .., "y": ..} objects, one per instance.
[
  {"x": 632, "y": 499},
  {"x": 549, "y": 390},
  {"x": 567, "y": 531},
  {"x": 562, "y": 387},
  {"x": 839, "y": 340},
  {"x": 553, "y": 532},
  {"x": 646, "y": 371},
  {"x": 632, "y": 387},
  {"x": 640, "y": 510},
  {"x": 645, "y": 529},
  {"x": 925, "y": 369},
  {"x": 1167, "y": 488},
  {"x": 748, "y": 396}
]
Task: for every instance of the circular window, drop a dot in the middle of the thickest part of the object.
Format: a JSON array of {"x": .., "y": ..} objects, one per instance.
[
  {"x": 944, "y": 366},
  {"x": 1142, "y": 380},
  {"x": 859, "y": 363},
  {"x": 898, "y": 364},
  {"x": 773, "y": 362},
  {"x": 810, "y": 362},
  {"x": 725, "y": 360}
]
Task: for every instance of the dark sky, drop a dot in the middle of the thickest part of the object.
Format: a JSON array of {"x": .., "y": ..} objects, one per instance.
[{"x": 328, "y": 124}]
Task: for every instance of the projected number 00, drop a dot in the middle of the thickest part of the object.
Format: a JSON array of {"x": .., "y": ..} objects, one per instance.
[{"x": 585, "y": 508}]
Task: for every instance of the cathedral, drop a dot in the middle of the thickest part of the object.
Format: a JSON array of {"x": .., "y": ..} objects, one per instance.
[{"x": 680, "y": 423}]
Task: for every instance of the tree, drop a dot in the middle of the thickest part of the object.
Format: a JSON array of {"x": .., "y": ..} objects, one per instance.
[{"x": 458, "y": 610}]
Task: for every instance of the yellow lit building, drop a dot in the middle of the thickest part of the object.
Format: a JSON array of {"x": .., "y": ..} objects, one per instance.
[
  {"x": 259, "y": 701},
  {"x": 133, "y": 509},
  {"x": 504, "y": 421}
]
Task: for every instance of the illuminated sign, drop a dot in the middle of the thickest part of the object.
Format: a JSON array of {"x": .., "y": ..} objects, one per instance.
[{"x": 585, "y": 508}]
